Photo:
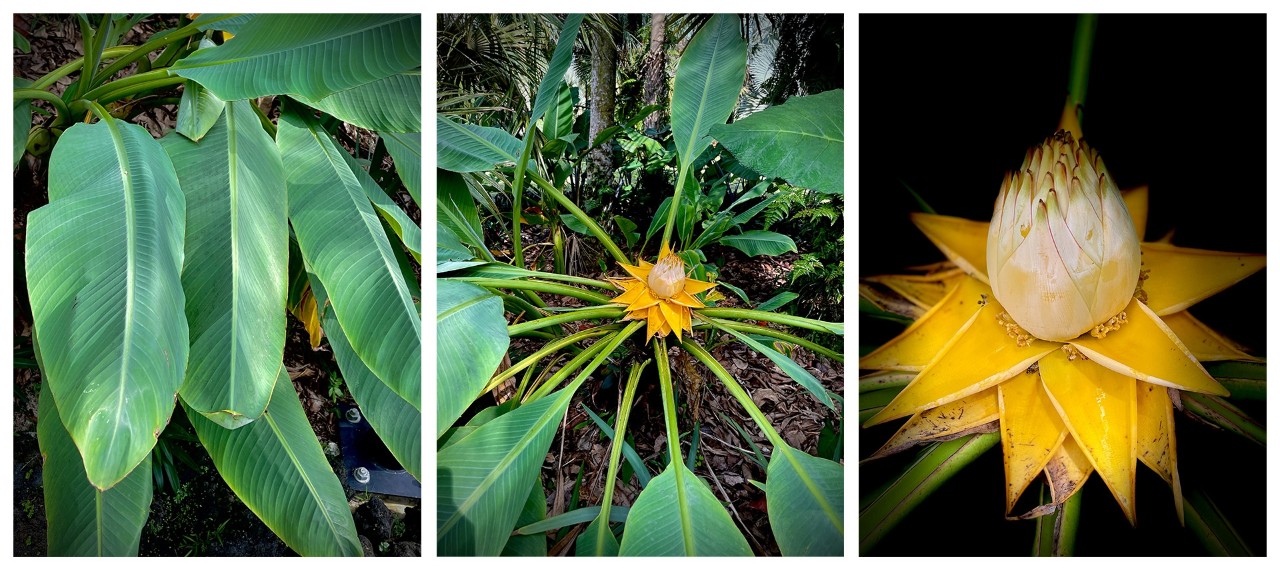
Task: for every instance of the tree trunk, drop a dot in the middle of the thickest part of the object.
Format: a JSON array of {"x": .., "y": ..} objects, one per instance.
[
  {"x": 604, "y": 89},
  {"x": 655, "y": 71}
]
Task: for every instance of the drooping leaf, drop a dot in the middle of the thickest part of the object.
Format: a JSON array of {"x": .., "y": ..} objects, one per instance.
[
  {"x": 310, "y": 55},
  {"x": 276, "y": 467},
  {"x": 760, "y": 243},
  {"x": 483, "y": 481},
  {"x": 471, "y": 338},
  {"x": 391, "y": 104},
  {"x": 21, "y": 120},
  {"x": 677, "y": 515},
  {"x": 103, "y": 274},
  {"x": 198, "y": 109},
  {"x": 237, "y": 253},
  {"x": 471, "y": 148},
  {"x": 449, "y": 250},
  {"x": 85, "y": 522},
  {"x": 707, "y": 82},
  {"x": 406, "y": 154},
  {"x": 344, "y": 244},
  {"x": 806, "y": 503},
  {"x": 456, "y": 210},
  {"x": 801, "y": 141},
  {"x": 399, "y": 424},
  {"x": 404, "y": 227}
]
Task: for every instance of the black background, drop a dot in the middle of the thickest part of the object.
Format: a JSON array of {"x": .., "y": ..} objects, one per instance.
[{"x": 948, "y": 104}]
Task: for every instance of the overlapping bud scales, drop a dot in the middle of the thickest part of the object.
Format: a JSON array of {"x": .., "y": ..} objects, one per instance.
[{"x": 1062, "y": 253}]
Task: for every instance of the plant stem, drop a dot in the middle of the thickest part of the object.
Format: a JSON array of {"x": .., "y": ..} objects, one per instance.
[
  {"x": 780, "y": 318},
  {"x": 675, "y": 201},
  {"x": 136, "y": 79},
  {"x": 736, "y": 390},
  {"x": 64, "y": 114},
  {"x": 606, "y": 346},
  {"x": 537, "y": 286},
  {"x": 60, "y": 72},
  {"x": 517, "y": 196},
  {"x": 668, "y": 400},
  {"x": 586, "y": 220},
  {"x": 615, "y": 454},
  {"x": 1081, "y": 54},
  {"x": 594, "y": 313},
  {"x": 155, "y": 43},
  {"x": 546, "y": 350},
  {"x": 773, "y": 333}
]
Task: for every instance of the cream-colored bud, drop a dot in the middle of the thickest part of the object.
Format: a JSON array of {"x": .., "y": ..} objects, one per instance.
[
  {"x": 666, "y": 279},
  {"x": 1062, "y": 253}
]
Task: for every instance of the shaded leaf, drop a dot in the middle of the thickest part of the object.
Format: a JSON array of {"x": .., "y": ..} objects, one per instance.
[
  {"x": 801, "y": 141},
  {"x": 470, "y": 342}
]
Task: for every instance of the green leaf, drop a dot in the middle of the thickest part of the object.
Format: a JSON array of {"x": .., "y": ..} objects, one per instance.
[
  {"x": 406, "y": 154},
  {"x": 21, "y": 119},
  {"x": 310, "y": 55},
  {"x": 778, "y": 301},
  {"x": 559, "y": 121},
  {"x": 737, "y": 291},
  {"x": 628, "y": 228},
  {"x": 456, "y": 210},
  {"x": 758, "y": 242},
  {"x": 85, "y": 522},
  {"x": 471, "y": 338},
  {"x": 535, "y": 510},
  {"x": 404, "y": 227},
  {"x": 237, "y": 253},
  {"x": 580, "y": 515},
  {"x": 449, "y": 248},
  {"x": 484, "y": 479},
  {"x": 596, "y": 540},
  {"x": 399, "y": 424},
  {"x": 276, "y": 467},
  {"x": 933, "y": 467},
  {"x": 575, "y": 224},
  {"x": 343, "y": 243},
  {"x": 1211, "y": 527},
  {"x": 198, "y": 109},
  {"x": 103, "y": 273},
  {"x": 806, "y": 503},
  {"x": 391, "y": 104},
  {"x": 472, "y": 148},
  {"x": 801, "y": 141},
  {"x": 708, "y": 78},
  {"x": 677, "y": 515},
  {"x": 556, "y": 67}
]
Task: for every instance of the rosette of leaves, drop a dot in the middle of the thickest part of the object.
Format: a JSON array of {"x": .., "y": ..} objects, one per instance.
[
  {"x": 161, "y": 271},
  {"x": 489, "y": 463}
]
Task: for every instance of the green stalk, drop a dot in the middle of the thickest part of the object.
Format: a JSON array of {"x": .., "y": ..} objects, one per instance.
[
  {"x": 734, "y": 389},
  {"x": 605, "y": 347},
  {"x": 127, "y": 91},
  {"x": 100, "y": 112},
  {"x": 615, "y": 454},
  {"x": 675, "y": 201},
  {"x": 668, "y": 399},
  {"x": 557, "y": 248},
  {"x": 537, "y": 286},
  {"x": 773, "y": 333},
  {"x": 586, "y": 220},
  {"x": 1056, "y": 532},
  {"x": 935, "y": 465},
  {"x": 780, "y": 318},
  {"x": 154, "y": 44},
  {"x": 1211, "y": 527},
  {"x": 1221, "y": 413},
  {"x": 596, "y": 313},
  {"x": 92, "y": 53},
  {"x": 517, "y": 196},
  {"x": 62, "y": 71},
  {"x": 524, "y": 384},
  {"x": 1081, "y": 54},
  {"x": 136, "y": 79},
  {"x": 546, "y": 350},
  {"x": 551, "y": 276},
  {"x": 64, "y": 114}
]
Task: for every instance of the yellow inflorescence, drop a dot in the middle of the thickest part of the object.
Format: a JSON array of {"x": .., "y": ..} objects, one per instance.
[{"x": 661, "y": 294}]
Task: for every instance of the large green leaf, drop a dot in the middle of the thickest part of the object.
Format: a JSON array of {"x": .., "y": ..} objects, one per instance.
[
  {"x": 83, "y": 521},
  {"x": 310, "y": 55},
  {"x": 678, "y": 515},
  {"x": 398, "y": 423},
  {"x": 21, "y": 122},
  {"x": 391, "y": 104},
  {"x": 456, "y": 210},
  {"x": 708, "y": 78},
  {"x": 806, "y": 502},
  {"x": 760, "y": 243},
  {"x": 343, "y": 242},
  {"x": 471, "y": 338},
  {"x": 399, "y": 222},
  {"x": 406, "y": 154},
  {"x": 103, "y": 274},
  {"x": 483, "y": 481},
  {"x": 276, "y": 467},
  {"x": 559, "y": 120},
  {"x": 556, "y": 67},
  {"x": 535, "y": 510},
  {"x": 801, "y": 141},
  {"x": 472, "y": 148},
  {"x": 199, "y": 108},
  {"x": 237, "y": 253}
]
